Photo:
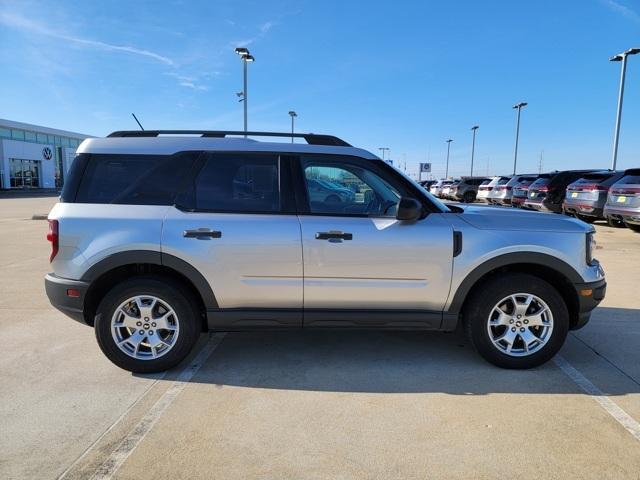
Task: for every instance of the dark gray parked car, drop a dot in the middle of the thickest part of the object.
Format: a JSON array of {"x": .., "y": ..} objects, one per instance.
[
  {"x": 467, "y": 189},
  {"x": 586, "y": 197}
]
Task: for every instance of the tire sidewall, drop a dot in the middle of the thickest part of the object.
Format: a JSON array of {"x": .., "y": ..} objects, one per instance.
[
  {"x": 482, "y": 303},
  {"x": 166, "y": 291}
]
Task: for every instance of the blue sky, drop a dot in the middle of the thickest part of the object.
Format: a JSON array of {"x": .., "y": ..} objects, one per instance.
[{"x": 405, "y": 74}]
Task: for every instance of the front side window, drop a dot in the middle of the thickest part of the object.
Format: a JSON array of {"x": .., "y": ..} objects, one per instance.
[
  {"x": 239, "y": 183},
  {"x": 342, "y": 188}
]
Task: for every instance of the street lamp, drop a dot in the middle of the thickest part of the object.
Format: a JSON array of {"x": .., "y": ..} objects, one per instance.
[
  {"x": 621, "y": 57},
  {"x": 473, "y": 145},
  {"x": 515, "y": 154},
  {"x": 446, "y": 172},
  {"x": 246, "y": 57},
  {"x": 293, "y": 115},
  {"x": 383, "y": 149}
]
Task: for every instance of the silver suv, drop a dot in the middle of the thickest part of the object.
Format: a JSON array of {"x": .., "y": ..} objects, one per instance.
[{"x": 160, "y": 236}]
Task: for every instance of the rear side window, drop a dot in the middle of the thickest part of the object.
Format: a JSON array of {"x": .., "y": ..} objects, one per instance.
[
  {"x": 503, "y": 180},
  {"x": 134, "y": 179},
  {"x": 239, "y": 183}
]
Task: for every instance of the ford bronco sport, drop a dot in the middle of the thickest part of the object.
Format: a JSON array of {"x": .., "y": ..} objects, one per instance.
[{"x": 160, "y": 235}]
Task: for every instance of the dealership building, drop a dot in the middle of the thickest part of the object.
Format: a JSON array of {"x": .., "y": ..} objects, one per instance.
[{"x": 32, "y": 156}]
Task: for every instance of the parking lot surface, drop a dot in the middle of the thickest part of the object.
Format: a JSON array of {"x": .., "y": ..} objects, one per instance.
[{"x": 312, "y": 404}]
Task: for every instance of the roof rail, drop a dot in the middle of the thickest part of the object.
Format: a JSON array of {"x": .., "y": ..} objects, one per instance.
[{"x": 311, "y": 138}]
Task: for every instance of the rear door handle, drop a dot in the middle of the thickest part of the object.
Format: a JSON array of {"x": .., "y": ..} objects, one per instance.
[
  {"x": 202, "y": 233},
  {"x": 334, "y": 236}
]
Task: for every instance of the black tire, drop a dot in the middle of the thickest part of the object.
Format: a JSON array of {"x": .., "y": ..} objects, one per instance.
[
  {"x": 635, "y": 228},
  {"x": 165, "y": 289},
  {"x": 586, "y": 218},
  {"x": 469, "y": 197},
  {"x": 479, "y": 306},
  {"x": 612, "y": 222}
]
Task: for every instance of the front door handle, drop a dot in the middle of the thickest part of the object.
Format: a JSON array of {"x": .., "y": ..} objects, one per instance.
[
  {"x": 334, "y": 236},
  {"x": 202, "y": 233}
]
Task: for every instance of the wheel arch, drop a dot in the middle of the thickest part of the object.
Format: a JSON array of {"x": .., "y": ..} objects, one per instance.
[
  {"x": 558, "y": 273},
  {"x": 114, "y": 268}
]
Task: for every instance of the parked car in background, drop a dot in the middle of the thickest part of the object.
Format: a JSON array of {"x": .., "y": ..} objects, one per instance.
[
  {"x": 426, "y": 184},
  {"x": 587, "y": 196},
  {"x": 446, "y": 188},
  {"x": 321, "y": 190},
  {"x": 436, "y": 188},
  {"x": 503, "y": 192},
  {"x": 623, "y": 201},
  {"x": 486, "y": 187},
  {"x": 467, "y": 189},
  {"x": 498, "y": 186},
  {"x": 520, "y": 193},
  {"x": 547, "y": 193}
]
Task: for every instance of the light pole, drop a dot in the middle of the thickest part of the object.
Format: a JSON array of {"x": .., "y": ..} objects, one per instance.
[
  {"x": 446, "y": 172},
  {"x": 246, "y": 57},
  {"x": 515, "y": 154},
  {"x": 621, "y": 57},
  {"x": 383, "y": 149},
  {"x": 293, "y": 115},
  {"x": 473, "y": 145}
]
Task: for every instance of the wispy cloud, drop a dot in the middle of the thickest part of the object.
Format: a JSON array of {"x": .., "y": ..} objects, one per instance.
[
  {"x": 622, "y": 9},
  {"x": 263, "y": 29},
  {"x": 266, "y": 26},
  {"x": 25, "y": 24},
  {"x": 188, "y": 81}
]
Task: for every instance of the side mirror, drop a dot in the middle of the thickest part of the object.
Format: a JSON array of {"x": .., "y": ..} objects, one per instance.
[{"x": 409, "y": 209}]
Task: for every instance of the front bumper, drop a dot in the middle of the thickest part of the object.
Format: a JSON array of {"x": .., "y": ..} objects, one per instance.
[
  {"x": 589, "y": 296},
  {"x": 59, "y": 290}
]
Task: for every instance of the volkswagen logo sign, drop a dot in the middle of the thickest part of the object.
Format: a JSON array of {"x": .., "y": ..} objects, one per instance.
[{"x": 47, "y": 153}]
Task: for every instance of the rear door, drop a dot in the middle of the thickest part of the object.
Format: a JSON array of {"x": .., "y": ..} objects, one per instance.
[
  {"x": 236, "y": 224},
  {"x": 358, "y": 257}
]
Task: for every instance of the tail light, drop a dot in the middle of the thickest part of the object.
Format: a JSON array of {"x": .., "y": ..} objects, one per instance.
[
  {"x": 52, "y": 236},
  {"x": 590, "y": 187},
  {"x": 625, "y": 191}
]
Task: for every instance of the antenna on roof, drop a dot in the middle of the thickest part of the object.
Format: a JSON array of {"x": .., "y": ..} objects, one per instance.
[{"x": 137, "y": 121}]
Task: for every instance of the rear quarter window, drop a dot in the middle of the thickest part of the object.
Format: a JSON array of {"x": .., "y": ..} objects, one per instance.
[{"x": 133, "y": 179}]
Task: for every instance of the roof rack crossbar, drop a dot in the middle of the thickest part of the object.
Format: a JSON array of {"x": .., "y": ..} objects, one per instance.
[{"x": 311, "y": 138}]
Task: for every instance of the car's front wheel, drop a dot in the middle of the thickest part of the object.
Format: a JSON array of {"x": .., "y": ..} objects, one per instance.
[
  {"x": 147, "y": 324},
  {"x": 516, "y": 320}
]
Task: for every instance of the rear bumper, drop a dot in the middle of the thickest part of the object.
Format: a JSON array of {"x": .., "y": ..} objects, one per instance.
[
  {"x": 543, "y": 206},
  {"x": 626, "y": 214},
  {"x": 590, "y": 210},
  {"x": 58, "y": 292},
  {"x": 589, "y": 296}
]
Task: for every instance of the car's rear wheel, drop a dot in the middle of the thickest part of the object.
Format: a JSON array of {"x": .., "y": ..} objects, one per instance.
[
  {"x": 612, "y": 222},
  {"x": 586, "y": 218},
  {"x": 635, "y": 228},
  {"x": 147, "y": 324},
  {"x": 516, "y": 320},
  {"x": 469, "y": 197}
]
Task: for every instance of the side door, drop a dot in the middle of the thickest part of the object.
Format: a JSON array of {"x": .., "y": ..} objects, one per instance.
[
  {"x": 236, "y": 224},
  {"x": 363, "y": 267}
]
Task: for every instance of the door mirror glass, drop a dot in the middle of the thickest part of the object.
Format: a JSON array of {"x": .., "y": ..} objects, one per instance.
[{"x": 409, "y": 209}]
